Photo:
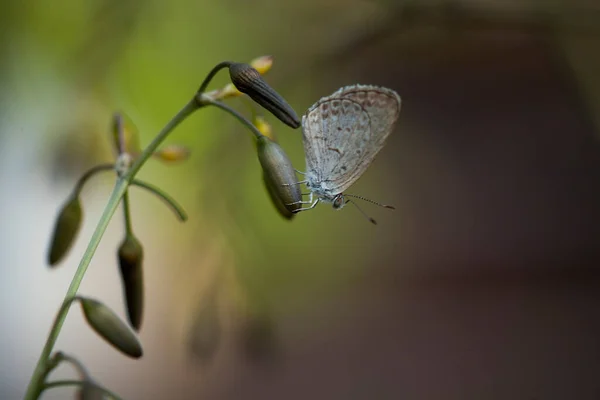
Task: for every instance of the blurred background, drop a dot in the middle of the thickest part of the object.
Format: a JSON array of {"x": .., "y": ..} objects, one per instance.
[{"x": 483, "y": 284}]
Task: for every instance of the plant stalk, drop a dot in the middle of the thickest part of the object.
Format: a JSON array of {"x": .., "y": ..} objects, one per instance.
[{"x": 36, "y": 384}]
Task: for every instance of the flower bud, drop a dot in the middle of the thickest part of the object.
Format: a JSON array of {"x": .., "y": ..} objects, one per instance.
[
  {"x": 249, "y": 81},
  {"x": 277, "y": 202},
  {"x": 110, "y": 327},
  {"x": 131, "y": 256},
  {"x": 130, "y": 141},
  {"x": 65, "y": 230},
  {"x": 263, "y": 127},
  {"x": 279, "y": 175},
  {"x": 172, "y": 153},
  {"x": 262, "y": 64}
]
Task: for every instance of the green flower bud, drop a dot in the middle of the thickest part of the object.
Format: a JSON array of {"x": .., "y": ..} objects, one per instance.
[
  {"x": 279, "y": 176},
  {"x": 125, "y": 135},
  {"x": 65, "y": 230},
  {"x": 131, "y": 256},
  {"x": 277, "y": 202},
  {"x": 110, "y": 327},
  {"x": 249, "y": 81}
]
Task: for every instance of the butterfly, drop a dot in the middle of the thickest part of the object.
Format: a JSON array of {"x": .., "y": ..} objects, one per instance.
[{"x": 342, "y": 133}]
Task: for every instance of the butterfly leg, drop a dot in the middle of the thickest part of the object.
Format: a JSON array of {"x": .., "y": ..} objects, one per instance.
[
  {"x": 292, "y": 184},
  {"x": 300, "y": 172},
  {"x": 310, "y": 200},
  {"x": 307, "y": 208}
]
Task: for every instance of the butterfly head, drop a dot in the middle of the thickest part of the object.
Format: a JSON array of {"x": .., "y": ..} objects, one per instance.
[{"x": 339, "y": 201}]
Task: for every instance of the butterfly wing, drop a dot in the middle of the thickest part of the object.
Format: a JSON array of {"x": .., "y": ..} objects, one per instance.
[{"x": 343, "y": 133}]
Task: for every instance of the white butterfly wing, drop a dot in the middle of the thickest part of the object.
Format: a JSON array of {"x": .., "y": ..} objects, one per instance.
[{"x": 343, "y": 133}]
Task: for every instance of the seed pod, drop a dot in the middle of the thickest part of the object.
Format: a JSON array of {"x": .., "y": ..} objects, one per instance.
[
  {"x": 248, "y": 80},
  {"x": 131, "y": 255},
  {"x": 65, "y": 230},
  {"x": 172, "y": 153},
  {"x": 277, "y": 202},
  {"x": 279, "y": 175},
  {"x": 108, "y": 325}
]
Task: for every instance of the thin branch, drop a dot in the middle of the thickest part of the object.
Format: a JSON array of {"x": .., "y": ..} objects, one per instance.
[
  {"x": 236, "y": 114},
  {"x": 170, "y": 201}
]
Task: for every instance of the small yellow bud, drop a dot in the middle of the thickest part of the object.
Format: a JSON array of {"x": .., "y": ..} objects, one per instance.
[
  {"x": 262, "y": 64},
  {"x": 263, "y": 127},
  {"x": 172, "y": 153}
]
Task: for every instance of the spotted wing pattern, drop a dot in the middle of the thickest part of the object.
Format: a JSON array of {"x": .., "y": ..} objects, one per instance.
[{"x": 343, "y": 133}]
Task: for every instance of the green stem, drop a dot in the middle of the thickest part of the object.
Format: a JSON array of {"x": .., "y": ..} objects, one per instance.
[
  {"x": 35, "y": 385},
  {"x": 77, "y": 364},
  {"x": 89, "y": 173},
  {"x": 39, "y": 374},
  {"x": 127, "y": 213},
  {"x": 177, "y": 209},
  {"x": 63, "y": 383},
  {"x": 212, "y": 73},
  {"x": 204, "y": 100},
  {"x": 189, "y": 108}
]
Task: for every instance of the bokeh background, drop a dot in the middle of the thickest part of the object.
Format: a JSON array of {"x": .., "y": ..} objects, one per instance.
[{"x": 483, "y": 284}]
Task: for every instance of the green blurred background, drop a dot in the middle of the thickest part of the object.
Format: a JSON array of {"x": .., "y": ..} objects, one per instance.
[{"x": 483, "y": 284}]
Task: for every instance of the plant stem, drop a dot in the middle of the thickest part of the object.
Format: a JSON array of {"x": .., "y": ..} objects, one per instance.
[
  {"x": 37, "y": 379},
  {"x": 212, "y": 73},
  {"x": 207, "y": 101},
  {"x": 177, "y": 209},
  {"x": 89, "y": 173},
  {"x": 36, "y": 382},
  {"x": 56, "y": 384},
  {"x": 189, "y": 108},
  {"x": 126, "y": 213}
]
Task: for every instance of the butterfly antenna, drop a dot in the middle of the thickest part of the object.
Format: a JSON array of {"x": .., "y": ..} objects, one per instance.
[
  {"x": 362, "y": 212},
  {"x": 370, "y": 201}
]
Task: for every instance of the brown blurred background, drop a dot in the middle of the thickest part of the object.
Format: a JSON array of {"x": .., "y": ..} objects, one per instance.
[{"x": 483, "y": 284}]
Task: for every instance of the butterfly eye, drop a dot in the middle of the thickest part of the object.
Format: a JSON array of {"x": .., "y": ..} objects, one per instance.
[{"x": 338, "y": 202}]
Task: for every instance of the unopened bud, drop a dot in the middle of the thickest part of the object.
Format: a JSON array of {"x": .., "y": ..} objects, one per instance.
[
  {"x": 65, "y": 230},
  {"x": 172, "y": 153},
  {"x": 281, "y": 208},
  {"x": 125, "y": 135},
  {"x": 264, "y": 127},
  {"x": 262, "y": 64},
  {"x": 279, "y": 175},
  {"x": 131, "y": 256},
  {"x": 249, "y": 81},
  {"x": 110, "y": 327}
]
